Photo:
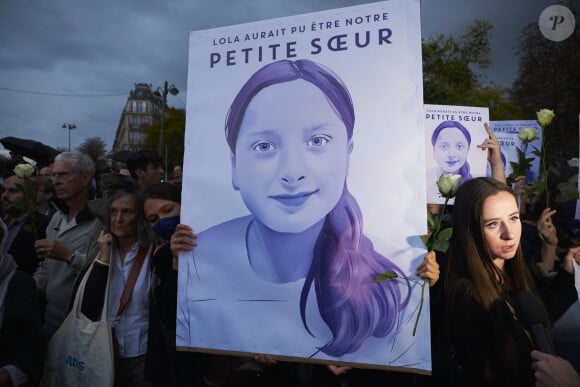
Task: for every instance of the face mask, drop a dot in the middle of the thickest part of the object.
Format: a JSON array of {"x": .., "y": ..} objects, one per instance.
[{"x": 165, "y": 227}]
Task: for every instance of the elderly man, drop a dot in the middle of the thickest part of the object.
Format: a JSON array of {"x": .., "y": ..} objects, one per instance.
[
  {"x": 70, "y": 244},
  {"x": 21, "y": 234}
]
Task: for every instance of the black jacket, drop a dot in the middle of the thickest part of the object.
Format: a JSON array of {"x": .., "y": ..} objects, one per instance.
[
  {"x": 22, "y": 248},
  {"x": 22, "y": 341}
]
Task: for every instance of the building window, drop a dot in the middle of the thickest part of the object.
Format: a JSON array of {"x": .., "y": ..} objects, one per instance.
[
  {"x": 137, "y": 138},
  {"x": 138, "y": 121},
  {"x": 138, "y": 106}
]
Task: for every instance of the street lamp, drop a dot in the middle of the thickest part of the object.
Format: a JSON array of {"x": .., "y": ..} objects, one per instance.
[
  {"x": 166, "y": 90},
  {"x": 69, "y": 127}
]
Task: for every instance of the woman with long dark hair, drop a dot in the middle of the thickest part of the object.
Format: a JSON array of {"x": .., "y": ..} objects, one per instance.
[{"x": 485, "y": 271}]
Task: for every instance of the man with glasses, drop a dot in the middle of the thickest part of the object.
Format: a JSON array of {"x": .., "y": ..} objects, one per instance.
[{"x": 71, "y": 236}]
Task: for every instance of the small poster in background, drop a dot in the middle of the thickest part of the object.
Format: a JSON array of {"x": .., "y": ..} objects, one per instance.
[
  {"x": 507, "y": 134},
  {"x": 452, "y": 134}
]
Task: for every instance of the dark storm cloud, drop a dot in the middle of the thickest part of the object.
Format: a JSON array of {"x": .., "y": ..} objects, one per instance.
[{"x": 82, "y": 48}]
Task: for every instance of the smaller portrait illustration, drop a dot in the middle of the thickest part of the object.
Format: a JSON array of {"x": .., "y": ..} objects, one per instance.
[
  {"x": 452, "y": 136},
  {"x": 508, "y": 135}
]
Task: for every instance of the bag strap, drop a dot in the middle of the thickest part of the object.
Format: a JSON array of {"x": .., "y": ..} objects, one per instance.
[{"x": 131, "y": 280}]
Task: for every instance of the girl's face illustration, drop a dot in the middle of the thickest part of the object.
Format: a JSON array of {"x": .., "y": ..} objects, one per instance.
[
  {"x": 292, "y": 156},
  {"x": 450, "y": 150}
]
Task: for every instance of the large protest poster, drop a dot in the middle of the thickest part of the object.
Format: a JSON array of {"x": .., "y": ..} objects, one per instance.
[
  {"x": 452, "y": 134},
  {"x": 507, "y": 133},
  {"x": 304, "y": 140}
]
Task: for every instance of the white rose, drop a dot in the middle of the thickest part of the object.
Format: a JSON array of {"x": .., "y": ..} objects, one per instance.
[
  {"x": 448, "y": 185},
  {"x": 573, "y": 162},
  {"x": 528, "y": 134},
  {"x": 545, "y": 117},
  {"x": 24, "y": 171}
]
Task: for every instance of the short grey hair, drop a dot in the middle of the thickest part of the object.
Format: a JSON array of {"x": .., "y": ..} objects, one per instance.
[{"x": 81, "y": 163}]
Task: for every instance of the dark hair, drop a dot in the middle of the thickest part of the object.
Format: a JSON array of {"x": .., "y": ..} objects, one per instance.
[
  {"x": 469, "y": 257},
  {"x": 285, "y": 71},
  {"x": 164, "y": 191},
  {"x": 140, "y": 160},
  {"x": 344, "y": 262},
  {"x": 34, "y": 183},
  {"x": 464, "y": 171},
  {"x": 6, "y": 167}
]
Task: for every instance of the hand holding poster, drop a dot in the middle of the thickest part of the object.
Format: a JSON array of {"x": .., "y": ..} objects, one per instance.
[{"x": 316, "y": 109}]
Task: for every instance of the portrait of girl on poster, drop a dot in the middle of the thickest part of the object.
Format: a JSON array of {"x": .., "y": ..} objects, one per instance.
[{"x": 298, "y": 271}]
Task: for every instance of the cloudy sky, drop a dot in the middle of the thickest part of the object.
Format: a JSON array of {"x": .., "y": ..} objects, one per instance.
[{"x": 76, "y": 61}]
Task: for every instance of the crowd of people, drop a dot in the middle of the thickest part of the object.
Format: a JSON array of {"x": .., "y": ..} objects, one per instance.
[{"x": 120, "y": 229}]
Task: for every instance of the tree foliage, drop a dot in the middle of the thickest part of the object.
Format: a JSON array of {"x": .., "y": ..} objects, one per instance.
[
  {"x": 450, "y": 76},
  {"x": 549, "y": 77},
  {"x": 95, "y": 148},
  {"x": 174, "y": 137}
]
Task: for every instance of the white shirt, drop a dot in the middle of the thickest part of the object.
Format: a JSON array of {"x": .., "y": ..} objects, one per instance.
[{"x": 133, "y": 328}]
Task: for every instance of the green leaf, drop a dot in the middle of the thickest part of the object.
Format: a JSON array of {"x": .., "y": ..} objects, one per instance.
[
  {"x": 531, "y": 190},
  {"x": 425, "y": 240},
  {"x": 516, "y": 169},
  {"x": 431, "y": 220},
  {"x": 539, "y": 185},
  {"x": 387, "y": 275},
  {"x": 537, "y": 153},
  {"x": 441, "y": 245},
  {"x": 444, "y": 234},
  {"x": 511, "y": 179},
  {"x": 569, "y": 190},
  {"x": 553, "y": 170}
]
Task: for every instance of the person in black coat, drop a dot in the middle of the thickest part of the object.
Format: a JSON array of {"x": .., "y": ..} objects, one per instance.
[
  {"x": 23, "y": 231},
  {"x": 485, "y": 270},
  {"x": 22, "y": 343}
]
